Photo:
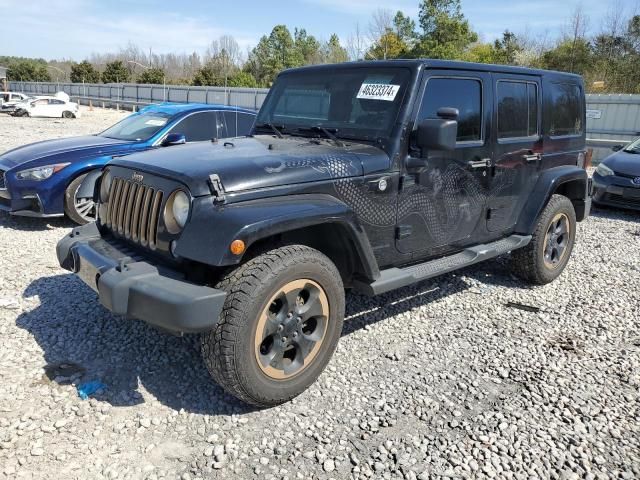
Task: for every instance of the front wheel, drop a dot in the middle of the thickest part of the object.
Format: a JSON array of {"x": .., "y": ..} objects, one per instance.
[
  {"x": 67, "y": 114},
  {"x": 546, "y": 257},
  {"x": 280, "y": 325},
  {"x": 80, "y": 209}
]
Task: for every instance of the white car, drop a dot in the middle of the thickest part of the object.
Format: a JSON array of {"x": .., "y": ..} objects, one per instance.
[
  {"x": 46, "y": 106},
  {"x": 9, "y": 100}
]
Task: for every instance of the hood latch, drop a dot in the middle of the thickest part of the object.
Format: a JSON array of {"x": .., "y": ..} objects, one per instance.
[{"x": 216, "y": 188}]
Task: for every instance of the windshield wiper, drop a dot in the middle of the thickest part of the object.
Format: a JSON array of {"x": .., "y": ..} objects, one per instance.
[
  {"x": 632, "y": 150},
  {"x": 273, "y": 128},
  {"x": 326, "y": 132}
]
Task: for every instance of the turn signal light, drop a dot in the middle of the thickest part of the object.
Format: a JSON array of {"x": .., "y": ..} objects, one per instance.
[{"x": 237, "y": 247}]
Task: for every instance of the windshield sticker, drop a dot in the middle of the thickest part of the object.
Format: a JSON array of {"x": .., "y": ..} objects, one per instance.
[
  {"x": 155, "y": 122},
  {"x": 374, "y": 91}
]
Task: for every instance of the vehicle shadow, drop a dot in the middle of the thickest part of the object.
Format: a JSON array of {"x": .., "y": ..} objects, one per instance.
[
  {"x": 76, "y": 333},
  {"x": 74, "y": 330},
  {"x": 31, "y": 224},
  {"x": 613, "y": 213}
]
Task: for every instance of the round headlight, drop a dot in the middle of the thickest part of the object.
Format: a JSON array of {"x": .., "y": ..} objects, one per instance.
[
  {"x": 176, "y": 211},
  {"x": 105, "y": 186}
]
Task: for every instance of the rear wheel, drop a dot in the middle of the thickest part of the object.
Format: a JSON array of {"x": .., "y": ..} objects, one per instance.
[
  {"x": 80, "y": 209},
  {"x": 280, "y": 325},
  {"x": 546, "y": 257}
]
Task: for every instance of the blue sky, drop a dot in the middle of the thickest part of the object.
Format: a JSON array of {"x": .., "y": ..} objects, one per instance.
[{"x": 76, "y": 28}]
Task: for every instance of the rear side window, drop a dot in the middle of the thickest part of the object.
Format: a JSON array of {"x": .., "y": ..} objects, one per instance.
[
  {"x": 517, "y": 109},
  {"x": 238, "y": 124},
  {"x": 461, "y": 93},
  {"x": 564, "y": 115}
]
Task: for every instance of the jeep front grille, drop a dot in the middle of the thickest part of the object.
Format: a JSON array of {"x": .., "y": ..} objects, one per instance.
[
  {"x": 133, "y": 211},
  {"x": 3, "y": 185}
]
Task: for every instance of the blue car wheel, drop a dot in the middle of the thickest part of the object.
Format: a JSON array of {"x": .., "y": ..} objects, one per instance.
[{"x": 80, "y": 209}]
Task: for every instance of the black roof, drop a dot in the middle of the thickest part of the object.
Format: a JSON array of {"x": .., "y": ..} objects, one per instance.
[{"x": 442, "y": 64}]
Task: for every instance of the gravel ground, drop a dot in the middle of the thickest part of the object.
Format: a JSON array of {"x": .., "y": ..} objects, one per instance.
[{"x": 439, "y": 380}]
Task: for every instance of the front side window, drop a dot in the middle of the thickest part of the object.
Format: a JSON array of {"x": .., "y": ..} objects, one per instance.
[
  {"x": 517, "y": 109},
  {"x": 357, "y": 102},
  {"x": 137, "y": 127},
  {"x": 198, "y": 127},
  {"x": 564, "y": 116},
  {"x": 461, "y": 93}
]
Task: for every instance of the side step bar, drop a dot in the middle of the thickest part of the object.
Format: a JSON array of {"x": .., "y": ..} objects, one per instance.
[{"x": 394, "y": 278}]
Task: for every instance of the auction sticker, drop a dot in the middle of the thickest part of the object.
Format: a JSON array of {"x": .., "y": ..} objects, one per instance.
[{"x": 375, "y": 91}]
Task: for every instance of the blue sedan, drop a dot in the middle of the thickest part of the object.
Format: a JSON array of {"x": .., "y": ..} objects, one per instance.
[
  {"x": 57, "y": 177},
  {"x": 616, "y": 181}
]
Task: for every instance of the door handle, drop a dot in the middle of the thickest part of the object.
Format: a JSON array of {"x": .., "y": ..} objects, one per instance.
[
  {"x": 534, "y": 157},
  {"x": 484, "y": 163}
]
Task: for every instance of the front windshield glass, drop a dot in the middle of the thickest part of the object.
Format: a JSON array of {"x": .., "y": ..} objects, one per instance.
[
  {"x": 354, "y": 103},
  {"x": 137, "y": 127},
  {"x": 633, "y": 147}
]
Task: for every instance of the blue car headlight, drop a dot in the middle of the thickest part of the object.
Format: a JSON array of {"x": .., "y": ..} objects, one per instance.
[
  {"x": 40, "y": 173},
  {"x": 604, "y": 171}
]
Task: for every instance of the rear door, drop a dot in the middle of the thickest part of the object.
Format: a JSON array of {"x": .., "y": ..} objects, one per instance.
[
  {"x": 518, "y": 148},
  {"x": 441, "y": 206}
]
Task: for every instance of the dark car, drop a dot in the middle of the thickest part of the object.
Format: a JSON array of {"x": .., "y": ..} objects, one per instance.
[
  {"x": 617, "y": 179},
  {"x": 54, "y": 177},
  {"x": 369, "y": 176}
]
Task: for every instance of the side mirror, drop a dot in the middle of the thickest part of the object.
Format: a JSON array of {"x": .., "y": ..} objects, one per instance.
[
  {"x": 617, "y": 148},
  {"x": 438, "y": 133},
  {"x": 174, "y": 139}
]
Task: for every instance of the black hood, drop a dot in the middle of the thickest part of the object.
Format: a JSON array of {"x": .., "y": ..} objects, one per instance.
[
  {"x": 624, "y": 163},
  {"x": 253, "y": 162}
]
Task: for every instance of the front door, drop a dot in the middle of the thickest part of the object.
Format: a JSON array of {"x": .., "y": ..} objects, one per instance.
[
  {"x": 441, "y": 206},
  {"x": 518, "y": 148}
]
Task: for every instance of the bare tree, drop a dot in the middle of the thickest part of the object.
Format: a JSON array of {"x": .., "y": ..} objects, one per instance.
[
  {"x": 356, "y": 45},
  {"x": 577, "y": 31},
  {"x": 380, "y": 26}
]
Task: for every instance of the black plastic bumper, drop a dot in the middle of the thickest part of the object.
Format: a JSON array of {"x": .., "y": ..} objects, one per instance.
[{"x": 138, "y": 289}]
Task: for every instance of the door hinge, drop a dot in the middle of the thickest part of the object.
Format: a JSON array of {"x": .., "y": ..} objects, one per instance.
[
  {"x": 216, "y": 188},
  {"x": 403, "y": 231}
]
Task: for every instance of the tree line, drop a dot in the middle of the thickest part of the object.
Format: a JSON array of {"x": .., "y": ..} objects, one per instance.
[{"x": 608, "y": 56}]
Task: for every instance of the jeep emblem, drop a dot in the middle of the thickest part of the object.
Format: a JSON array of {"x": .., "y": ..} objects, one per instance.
[
  {"x": 636, "y": 181},
  {"x": 137, "y": 177}
]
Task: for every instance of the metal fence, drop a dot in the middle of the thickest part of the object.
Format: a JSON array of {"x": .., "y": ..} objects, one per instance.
[
  {"x": 135, "y": 95},
  {"x": 611, "y": 119}
]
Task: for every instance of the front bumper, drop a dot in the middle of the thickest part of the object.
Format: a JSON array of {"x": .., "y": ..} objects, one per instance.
[
  {"x": 138, "y": 289},
  {"x": 27, "y": 206},
  {"x": 616, "y": 191}
]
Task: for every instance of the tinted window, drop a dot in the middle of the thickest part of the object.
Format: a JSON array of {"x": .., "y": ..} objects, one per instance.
[
  {"x": 565, "y": 111},
  {"x": 463, "y": 94},
  {"x": 198, "y": 127},
  {"x": 238, "y": 124},
  {"x": 517, "y": 109}
]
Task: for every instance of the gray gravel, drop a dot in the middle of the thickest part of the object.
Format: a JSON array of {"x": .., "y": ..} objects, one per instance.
[{"x": 439, "y": 380}]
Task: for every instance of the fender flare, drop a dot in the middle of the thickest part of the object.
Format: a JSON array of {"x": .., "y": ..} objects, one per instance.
[
  {"x": 211, "y": 228},
  {"x": 548, "y": 183},
  {"x": 87, "y": 187}
]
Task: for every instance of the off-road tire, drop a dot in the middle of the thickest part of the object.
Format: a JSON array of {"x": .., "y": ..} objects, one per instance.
[
  {"x": 528, "y": 263},
  {"x": 70, "y": 201},
  {"x": 229, "y": 350}
]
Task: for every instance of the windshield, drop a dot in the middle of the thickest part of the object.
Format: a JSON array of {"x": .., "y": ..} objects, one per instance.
[
  {"x": 137, "y": 127},
  {"x": 633, "y": 147},
  {"x": 353, "y": 103}
]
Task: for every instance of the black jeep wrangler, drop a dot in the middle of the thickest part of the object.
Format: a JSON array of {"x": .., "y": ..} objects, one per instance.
[{"x": 369, "y": 176}]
